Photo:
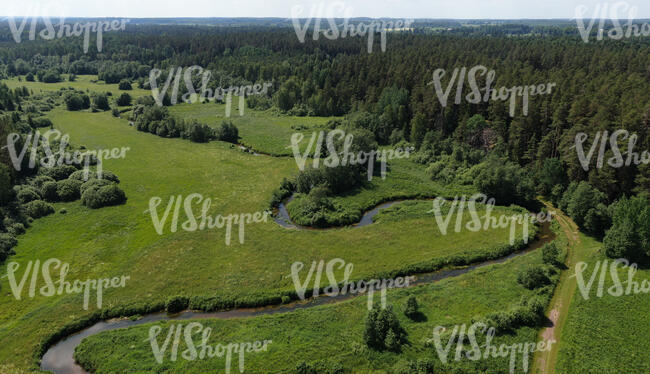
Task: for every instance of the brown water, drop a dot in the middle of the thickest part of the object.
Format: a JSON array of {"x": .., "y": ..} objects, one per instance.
[{"x": 59, "y": 358}]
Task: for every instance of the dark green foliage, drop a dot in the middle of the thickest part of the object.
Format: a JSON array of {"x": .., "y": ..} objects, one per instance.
[
  {"x": 411, "y": 308},
  {"x": 125, "y": 85},
  {"x": 586, "y": 206},
  {"x": 27, "y": 194},
  {"x": 95, "y": 183},
  {"x": 533, "y": 277},
  {"x": 7, "y": 242},
  {"x": 228, "y": 132},
  {"x": 124, "y": 99},
  {"x": 319, "y": 367},
  {"x": 68, "y": 189},
  {"x": 383, "y": 330},
  {"x": 629, "y": 236},
  {"x": 96, "y": 196},
  {"x": 506, "y": 182},
  {"x": 29, "y": 77},
  {"x": 425, "y": 366},
  {"x": 100, "y": 102},
  {"x": 76, "y": 101},
  {"x": 176, "y": 304},
  {"x": 550, "y": 253},
  {"x": 6, "y": 186},
  {"x": 59, "y": 172},
  {"x": 49, "y": 191},
  {"x": 552, "y": 175},
  {"x": 38, "y": 209},
  {"x": 41, "y": 122},
  {"x": 200, "y": 133}
]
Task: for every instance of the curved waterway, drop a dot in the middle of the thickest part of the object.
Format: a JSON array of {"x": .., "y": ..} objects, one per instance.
[
  {"x": 283, "y": 219},
  {"x": 59, "y": 358}
]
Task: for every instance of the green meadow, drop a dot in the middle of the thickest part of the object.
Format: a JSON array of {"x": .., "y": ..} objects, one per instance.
[
  {"x": 121, "y": 240},
  {"x": 600, "y": 331}
]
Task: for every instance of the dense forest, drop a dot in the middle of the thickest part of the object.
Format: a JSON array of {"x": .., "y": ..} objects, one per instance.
[{"x": 599, "y": 86}]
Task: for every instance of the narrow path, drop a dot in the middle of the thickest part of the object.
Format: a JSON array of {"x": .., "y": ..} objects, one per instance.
[{"x": 544, "y": 362}]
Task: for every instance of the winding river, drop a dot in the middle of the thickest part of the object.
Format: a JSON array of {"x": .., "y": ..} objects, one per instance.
[{"x": 59, "y": 357}]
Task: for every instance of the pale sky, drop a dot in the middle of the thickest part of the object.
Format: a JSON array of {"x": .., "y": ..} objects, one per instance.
[{"x": 459, "y": 9}]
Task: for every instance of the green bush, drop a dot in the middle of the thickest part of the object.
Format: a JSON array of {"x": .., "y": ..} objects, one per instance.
[
  {"x": 100, "y": 102},
  {"x": 7, "y": 242},
  {"x": 94, "y": 183},
  {"x": 125, "y": 85},
  {"x": 40, "y": 180},
  {"x": 124, "y": 99},
  {"x": 97, "y": 196},
  {"x": 411, "y": 308},
  {"x": 228, "y": 132},
  {"x": 550, "y": 252},
  {"x": 383, "y": 330},
  {"x": 533, "y": 277},
  {"x": 60, "y": 172},
  {"x": 68, "y": 189},
  {"x": 629, "y": 236},
  {"x": 49, "y": 191},
  {"x": 28, "y": 194},
  {"x": 176, "y": 304},
  {"x": 6, "y": 187},
  {"x": 38, "y": 209}
]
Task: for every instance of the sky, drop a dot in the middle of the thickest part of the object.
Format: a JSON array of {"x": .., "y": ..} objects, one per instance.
[{"x": 458, "y": 9}]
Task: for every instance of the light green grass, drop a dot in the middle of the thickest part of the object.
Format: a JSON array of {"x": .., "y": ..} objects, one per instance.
[
  {"x": 333, "y": 332},
  {"x": 121, "y": 240},
  {"x": 83, "y": 83}
]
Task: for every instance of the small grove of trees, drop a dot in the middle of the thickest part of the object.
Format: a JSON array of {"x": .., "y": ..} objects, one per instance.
[
  {"x": 76, "y": 101},
  {"x": 506, "y": 182},
  {"x": 383, "y": 330},
  {"x": 156, "y": 120},
  {"x": 124, "y": 99},
  {"x": 587, "y": 207},
  {"x": 125, "y": 85},
  {"x": 629, "y": 236},
  {"x": 533, "y": 277},
  {"x": 100, "y": 102}
]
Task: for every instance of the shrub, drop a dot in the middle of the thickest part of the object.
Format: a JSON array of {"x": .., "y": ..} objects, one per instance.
[
  {"x": 94, "y": 183},
  {"x": 550, "y": 252},
  {"x": 49, "y": 191},
  {"x": 125, "y": 85},
  {"x": 411, "y": 309},
  {"x": 60, "y": 172},
  {"x": 228, "y": 132},
  {"x": 38, "y": 209},
  {"x": 124, "y": 99},
  {"x": 7, "y": 242},
  {"x": 28, "y": 194},
  {"x": 29, "y": 77},
  {"x": 40, "y": 180},
  {"x": 200, "y": 133},
  {"x": 629, "y": 236},
  {"x": 76, "y": 101},
  {"x": 6, "y": 190},
  {"x": 176, "y": 304},
  {"x": 68, "y": 189},
  {"x": 63, "y": 211},
  {"x": 379, "y": 322},
  {"x": 533, "y": 277},
  {"x": 96, "y": 197},
  {"x": 100, "y": 102}
]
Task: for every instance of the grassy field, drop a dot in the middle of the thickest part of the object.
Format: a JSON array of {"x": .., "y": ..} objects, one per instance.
[
  {"x": 607, "y": 334},
  {"x": 263, "y": 131},
  {"x": 334, "y": 331},
  {"x": 83, "y": 83},
  {"x": 121, "y": 240}
]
